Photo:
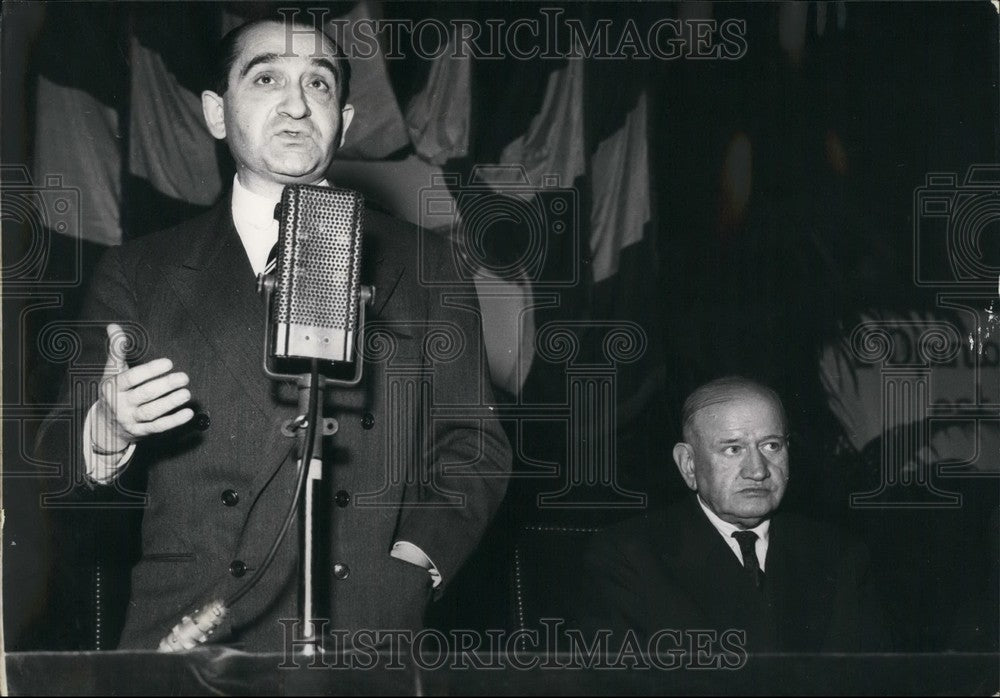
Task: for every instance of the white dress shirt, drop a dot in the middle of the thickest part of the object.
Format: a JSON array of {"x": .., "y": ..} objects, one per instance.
[
  {"x": 253, "y": 217},
  {"x": 727, "y": 529}
]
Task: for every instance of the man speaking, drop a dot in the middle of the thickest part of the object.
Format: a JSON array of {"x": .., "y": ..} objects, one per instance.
[{"x": 411, "y": 492}]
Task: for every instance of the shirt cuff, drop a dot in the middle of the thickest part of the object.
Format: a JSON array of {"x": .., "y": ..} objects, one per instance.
[
  {"x": 102, "y": 469},
  {"x": 408, "y": 552}
]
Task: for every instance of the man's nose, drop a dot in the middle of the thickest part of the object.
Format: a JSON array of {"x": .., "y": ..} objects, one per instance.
[
  {"x": 294, "y": 104},
  {"x": 755, "y": 466}
]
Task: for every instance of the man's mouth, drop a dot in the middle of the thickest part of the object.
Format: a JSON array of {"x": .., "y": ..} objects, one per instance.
[{"x": 756, "y": 492}]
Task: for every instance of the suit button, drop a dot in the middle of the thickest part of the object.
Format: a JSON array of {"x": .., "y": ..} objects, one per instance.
[
  {"x": 341, "y": 571},
  {"x": 342, "y": 498},
  {"x": 230, "y": 498},
  {"x": 368, "y": 420},
  {"x": 202, "y": 421},
  {"x": 238, "y": 568}
]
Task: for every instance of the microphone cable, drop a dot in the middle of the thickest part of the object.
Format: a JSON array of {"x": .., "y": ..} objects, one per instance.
[
  {"x": 312, "y": 417},
  {"x": 196, "y": 628}
]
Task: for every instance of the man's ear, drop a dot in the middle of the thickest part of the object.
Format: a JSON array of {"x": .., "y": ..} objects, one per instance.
[
  {"x": 684, "y": 458},
  {"x": 213, "y": 107},
  {"x": 346, "y": 117}
]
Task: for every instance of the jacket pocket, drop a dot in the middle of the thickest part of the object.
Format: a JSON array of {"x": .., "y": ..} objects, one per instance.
[{"x": 167, "y": 557}]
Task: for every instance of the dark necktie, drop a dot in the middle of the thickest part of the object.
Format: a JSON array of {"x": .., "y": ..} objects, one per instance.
[
  {"x": 272, "y": 259},
  {"x": 747, "y": 541}
]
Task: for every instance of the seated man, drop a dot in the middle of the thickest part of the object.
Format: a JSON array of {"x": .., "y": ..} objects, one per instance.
[{"x": 725, "y": 558}]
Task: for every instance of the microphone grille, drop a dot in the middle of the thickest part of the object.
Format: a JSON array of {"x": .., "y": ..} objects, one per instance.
[
  {"x": 315, "y": 304},
  {"x": 319, "y": 261}
]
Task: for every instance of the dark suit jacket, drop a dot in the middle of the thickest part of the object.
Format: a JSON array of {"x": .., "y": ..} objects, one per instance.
[
  {"x": 395, "y": 471},
  {"x": 670, "y": 569}
]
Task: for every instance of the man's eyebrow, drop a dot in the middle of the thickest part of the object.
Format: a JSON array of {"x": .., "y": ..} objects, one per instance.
[
  {"x": 271, "y": 57},
  {"x": 257, "y": 60},
  {"x": 325, "y": 63}
]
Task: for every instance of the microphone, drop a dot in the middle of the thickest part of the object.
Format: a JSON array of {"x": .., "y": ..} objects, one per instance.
[
  {"x": 316, "y": 311},
  {"x": 194, "y": 629},
  {"x": 314, "y": 307}
]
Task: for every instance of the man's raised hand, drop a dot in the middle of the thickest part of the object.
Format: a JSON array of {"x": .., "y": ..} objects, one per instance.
[{"x": 138, "y": 401}]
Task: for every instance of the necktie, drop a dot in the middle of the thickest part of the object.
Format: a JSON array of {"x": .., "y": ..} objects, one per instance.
[
  {"x": 747, "y": 541},
  {"x": 272, "y": 259}
]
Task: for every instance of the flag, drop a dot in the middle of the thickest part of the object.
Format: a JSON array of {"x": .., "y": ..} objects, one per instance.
[
  {"x": 378, "y": 129},
  {"x": 620, "y": 192},
  {"x": 438, "y": 117},
  {"x": 554, "y": 141},
  {"x": 170, "y": 146},
  {"x": 81, "y": 86}
]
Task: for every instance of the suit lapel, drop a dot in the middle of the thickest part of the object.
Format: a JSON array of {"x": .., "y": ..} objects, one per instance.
[
  {"x": 376, "y": 272},
  {"x": 707, "y": 567},
  {"x": 217, "y": 285}
]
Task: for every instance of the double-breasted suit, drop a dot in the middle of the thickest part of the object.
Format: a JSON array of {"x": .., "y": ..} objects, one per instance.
[{"x": 418, "y": 457}]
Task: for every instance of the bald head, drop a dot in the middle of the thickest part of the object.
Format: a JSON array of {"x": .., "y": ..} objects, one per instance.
[
  {"x": 735, "y": 449},
  {"x": 719, "y": 391}
]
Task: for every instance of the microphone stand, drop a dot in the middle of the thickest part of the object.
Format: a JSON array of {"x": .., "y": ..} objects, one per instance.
[
  {"x": 311, "y": 389},
  {"x": 311, "y": 393}
]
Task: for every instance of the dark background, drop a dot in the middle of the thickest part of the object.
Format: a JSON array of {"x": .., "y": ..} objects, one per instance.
[{"x": 841, "y": 137}]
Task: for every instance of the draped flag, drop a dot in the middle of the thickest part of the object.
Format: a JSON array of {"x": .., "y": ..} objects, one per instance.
[
  {"x": 378, "y": 129},
  {"x": 77, "y": 127},
  {"x": 553, "y": 143},
  {"x": 119, "y": 116},
  {"x": 438, "y": 117},
  {"x": 620, "y": 191},
  {"x": 170, "y": 147}
]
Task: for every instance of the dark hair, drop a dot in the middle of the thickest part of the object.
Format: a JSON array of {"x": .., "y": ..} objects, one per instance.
[{"x": 229, "y": 46}]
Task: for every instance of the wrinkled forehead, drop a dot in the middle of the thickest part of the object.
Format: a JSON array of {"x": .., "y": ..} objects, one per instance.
[
  {"x": 286, "y": 42},
  {"x": 739, "y": 411}
]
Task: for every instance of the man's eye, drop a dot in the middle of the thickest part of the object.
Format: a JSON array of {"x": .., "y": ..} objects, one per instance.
[
  {"x": 733, "y": 450},
  {"x": 319, "y": 84},
  {"x": 772, "y": 446},
  {"x": 264, "y": 79}
]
